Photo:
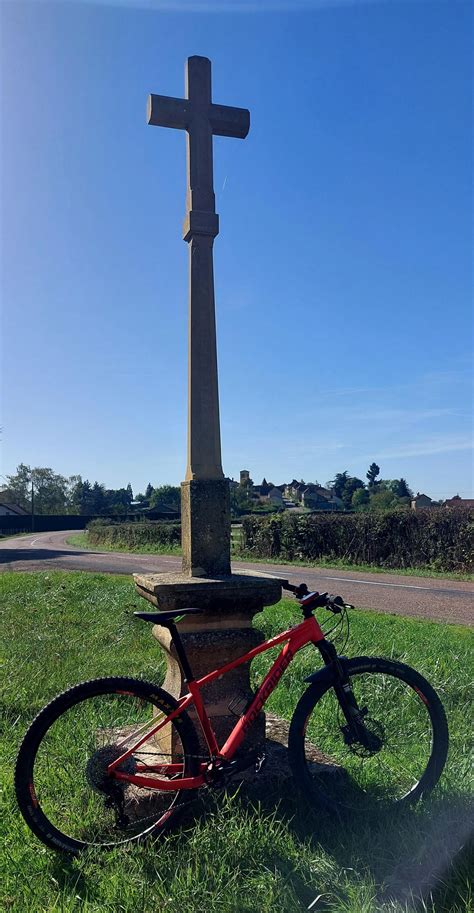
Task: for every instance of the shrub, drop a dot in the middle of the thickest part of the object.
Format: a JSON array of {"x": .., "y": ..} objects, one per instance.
[
  {"x": 162, "y": 533},
  {"x": 442, "y": 539}
]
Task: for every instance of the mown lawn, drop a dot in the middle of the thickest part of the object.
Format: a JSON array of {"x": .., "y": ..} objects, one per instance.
[{"x": 60, "y": 628}]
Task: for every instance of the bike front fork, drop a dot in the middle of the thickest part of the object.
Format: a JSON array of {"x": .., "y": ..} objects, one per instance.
[{"x": 355, "y": 730}]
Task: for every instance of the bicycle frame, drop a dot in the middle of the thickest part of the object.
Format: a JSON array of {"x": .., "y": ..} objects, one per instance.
[{"x": 298, "y": 637}]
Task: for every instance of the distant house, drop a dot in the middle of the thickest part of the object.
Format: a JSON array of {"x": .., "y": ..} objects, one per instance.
[
  {"x": 293, "y": 493},
  {"x": 421, "y": 501},
  {"x": 315, "y": 497},
  {"x": 459, "y": 502},
  {"x": 12, "y": 510},
  {"x": 275, "y": 495},
  {"x": 294, "y": 490}
]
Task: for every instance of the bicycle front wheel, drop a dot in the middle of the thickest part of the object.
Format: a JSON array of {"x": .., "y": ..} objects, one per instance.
[
  {"x": 403, "y": 755},
  {"x": 61, "y": 781}
]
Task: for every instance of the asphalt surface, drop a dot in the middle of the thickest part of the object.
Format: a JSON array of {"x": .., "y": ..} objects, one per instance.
[{"x": 420, "y": 597}]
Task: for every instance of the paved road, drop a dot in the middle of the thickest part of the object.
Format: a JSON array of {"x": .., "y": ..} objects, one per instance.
[{"x": 421, "y": 597}]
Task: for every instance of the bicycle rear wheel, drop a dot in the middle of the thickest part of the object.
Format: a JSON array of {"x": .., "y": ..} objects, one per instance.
[
  {"x": 404, "y": 754},
  {"x": 61, "y": 781}
]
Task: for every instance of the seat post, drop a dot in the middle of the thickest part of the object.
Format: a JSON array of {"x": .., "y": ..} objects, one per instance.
[{"x": 181, "y": 653}]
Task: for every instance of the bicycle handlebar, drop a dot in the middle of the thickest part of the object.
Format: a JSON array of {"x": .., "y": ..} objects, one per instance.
[
  {"x": 316, "y": 600},
  {"x": 299, "y": 591}
]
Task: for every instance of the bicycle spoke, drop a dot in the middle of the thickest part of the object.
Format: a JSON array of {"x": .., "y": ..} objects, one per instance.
[
  {"x": 387, "y": 769},
  {"x": 72, "y": 761}
]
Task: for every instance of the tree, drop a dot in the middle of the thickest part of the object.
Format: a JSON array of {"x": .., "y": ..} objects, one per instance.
[
  {"x": 82, "y": 498},
  {"x": 148, "y": 491},
  {"x": 75, "y": 494},
  {"x": 51, "y": 490},
  {"x": 400, "y": 488},
  {"x": 239, "y": 499},
  {"x": 264, "y": 487},
  {"x": 98, "y": 498},
  {"x": 166, "y": 496},
  {"x": 117, "y": 501},
  {"x": 344, "y": 486},
  {"x": 372, "y": 473},
  {"x": 360, "y": 499},
  {"x": 339, "y": 483},
  {"x": 383, "y": 500},
  {"x": 19, "y": 487},
  {"x": 352, "y": 485}
]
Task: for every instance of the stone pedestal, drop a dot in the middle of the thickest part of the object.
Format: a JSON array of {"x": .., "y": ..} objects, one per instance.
[
  {"x": 221, "y": 634},
  {"x": 205, "y": 527}
]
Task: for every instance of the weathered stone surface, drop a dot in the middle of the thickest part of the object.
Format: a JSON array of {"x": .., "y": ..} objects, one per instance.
[
  {"x": 240, "y": 595},
  {"x": 207, "y": 649},
  {"x": 204, "y": 437},
  {"x": 200, "y": 118},
  {"x": 206, "y": 513},
  {"x": 225, "y": 630},
  {"x": 220, "y": 635},
  {"x": 276, "y": 776},
  {"x": 205, "y": 528}
]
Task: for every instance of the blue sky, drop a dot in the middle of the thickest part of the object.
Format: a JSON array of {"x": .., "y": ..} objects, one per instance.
[{"x": 343, "y": 267}]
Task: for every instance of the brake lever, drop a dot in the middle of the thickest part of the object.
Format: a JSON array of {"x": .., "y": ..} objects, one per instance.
[
  {"x": 335, "y": 604},
  {"x": 339, "y": 607}
]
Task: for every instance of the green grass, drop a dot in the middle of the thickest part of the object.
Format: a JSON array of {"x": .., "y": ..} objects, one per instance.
[
  {"x": 80, "y": 540},
  {"x": 59, "y": 628}
]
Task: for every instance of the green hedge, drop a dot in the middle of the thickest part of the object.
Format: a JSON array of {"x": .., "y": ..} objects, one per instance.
[
  {"x": 160, "y": 533},
  {"x": 442, "y": 539}
]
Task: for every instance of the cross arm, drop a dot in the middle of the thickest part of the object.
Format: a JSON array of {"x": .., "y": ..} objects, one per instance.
[
  {"x": 228, "y": 121},
  {"x": 164, "y": 111}
]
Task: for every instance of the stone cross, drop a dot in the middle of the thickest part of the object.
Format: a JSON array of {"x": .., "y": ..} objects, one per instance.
[
  {"x": 229, "y": 601},
  {"x": 205, "y": 492}
]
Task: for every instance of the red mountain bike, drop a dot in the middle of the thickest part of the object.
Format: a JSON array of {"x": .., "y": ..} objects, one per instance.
[{"x": 112, "y": 760}]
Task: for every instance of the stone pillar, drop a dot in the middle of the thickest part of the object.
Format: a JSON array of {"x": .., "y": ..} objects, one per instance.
[
  {"x": 204, "y": 440},
  {"x": 205, "y": 497}
]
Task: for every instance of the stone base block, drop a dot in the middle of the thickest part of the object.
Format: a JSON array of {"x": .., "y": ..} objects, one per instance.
[
  {"x": 224, "y": 599},
  {"x": 205, "y": 527},
  {"x": 220, "y": 635}
]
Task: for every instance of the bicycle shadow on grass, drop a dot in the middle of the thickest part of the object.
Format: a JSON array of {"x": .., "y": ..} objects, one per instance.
[
  {"x": 417, "y": 856},
  {"x": 412, "y": 855}
]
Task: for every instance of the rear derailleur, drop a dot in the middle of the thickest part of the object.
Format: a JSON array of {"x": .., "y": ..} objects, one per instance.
[{"x": 116, "y": 801}]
